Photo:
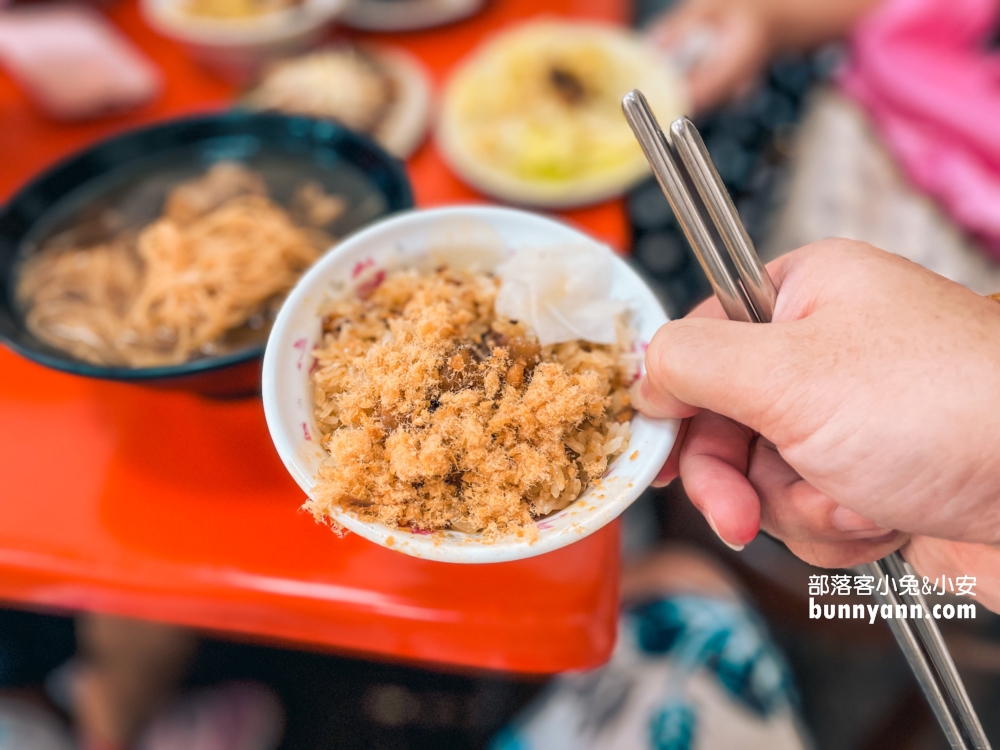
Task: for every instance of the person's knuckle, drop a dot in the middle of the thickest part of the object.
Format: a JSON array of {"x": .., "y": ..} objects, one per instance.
[
  {"x": 781, "y": 519},
  {"x": 661, "y": 354}
]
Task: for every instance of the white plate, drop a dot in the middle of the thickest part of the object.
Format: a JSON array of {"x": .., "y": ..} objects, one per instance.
[
  {"x": 404, "y": 126},
  {"x": 404, "y": 239},
  {"x": 651, "y": 72}
]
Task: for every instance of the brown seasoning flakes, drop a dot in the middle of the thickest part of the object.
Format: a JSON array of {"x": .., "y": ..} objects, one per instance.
[{"x": 437, "y": 415}]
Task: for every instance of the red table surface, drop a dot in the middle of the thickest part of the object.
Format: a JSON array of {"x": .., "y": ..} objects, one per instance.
[{"x": 166, "y": 506}]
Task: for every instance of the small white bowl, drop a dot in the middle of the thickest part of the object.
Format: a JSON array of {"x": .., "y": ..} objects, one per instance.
[
  {"x": 237, "y": 48},
  {"x": 413, "y": 15},
  {"x": 403, "y": 240}
]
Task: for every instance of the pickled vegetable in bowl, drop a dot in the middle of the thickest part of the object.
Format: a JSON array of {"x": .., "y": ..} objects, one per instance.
[{"x": 534, "y": 116}]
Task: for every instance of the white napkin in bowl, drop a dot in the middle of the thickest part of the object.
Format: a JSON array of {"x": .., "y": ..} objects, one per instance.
[{"x": 561, "y": 292}]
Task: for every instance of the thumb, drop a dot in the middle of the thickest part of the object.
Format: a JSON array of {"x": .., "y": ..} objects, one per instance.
[
  {"x": 705, "y": 361},
  {"x": 731, "y": 368}
]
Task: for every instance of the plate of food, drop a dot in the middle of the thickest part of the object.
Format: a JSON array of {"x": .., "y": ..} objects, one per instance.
[
  {"x": 533, "y": 116},
  {"x": 162, "y": 255},
  {"x": 454, "y": 384},
  {"x": 377, "y": 90}
]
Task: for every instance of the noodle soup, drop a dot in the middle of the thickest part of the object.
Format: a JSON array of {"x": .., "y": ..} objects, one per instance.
[{"x": 173, "y": 260}]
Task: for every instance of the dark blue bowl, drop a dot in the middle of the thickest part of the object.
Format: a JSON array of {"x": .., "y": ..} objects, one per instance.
[{"x": 136, "y": 169}]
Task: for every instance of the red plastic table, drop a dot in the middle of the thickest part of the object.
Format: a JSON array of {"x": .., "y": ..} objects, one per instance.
[{"x": 161, "y": 505}]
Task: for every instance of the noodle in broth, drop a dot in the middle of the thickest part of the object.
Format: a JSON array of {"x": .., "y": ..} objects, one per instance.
[{"x": 222, "y": 256}]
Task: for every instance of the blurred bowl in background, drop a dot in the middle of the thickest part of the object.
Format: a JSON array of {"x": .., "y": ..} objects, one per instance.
[
  {"x": 132, "y": 173},
  {"x": 375, "y": 89},
  {"x": 407, "y": 15},
  {"x": 237, "y": 48}
]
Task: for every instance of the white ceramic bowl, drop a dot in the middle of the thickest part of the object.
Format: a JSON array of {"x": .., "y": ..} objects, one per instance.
[
  {"x": 413, "y": 15},
  {"x": 401, "y": 240},
  {"x": 238, "y": 48}
]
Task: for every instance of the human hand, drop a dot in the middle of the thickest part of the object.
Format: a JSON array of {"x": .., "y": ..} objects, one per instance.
[
  {"x": 867, "y": 412},
  {"x": 723, "y": 45},
  {"x": 940, "y": 557}
]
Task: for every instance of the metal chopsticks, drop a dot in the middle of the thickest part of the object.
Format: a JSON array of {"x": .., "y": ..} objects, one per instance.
[{"x": 710, "y": 222}]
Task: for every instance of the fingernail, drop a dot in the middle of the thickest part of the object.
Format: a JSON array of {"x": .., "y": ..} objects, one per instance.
[
  {"x": 636, "y": 395},
  {"x": 638, "y": 392},
  {"x": 639, "y": 396},
  {"x": 845, "y": 519},
  {"x": 711, "y": 523}
]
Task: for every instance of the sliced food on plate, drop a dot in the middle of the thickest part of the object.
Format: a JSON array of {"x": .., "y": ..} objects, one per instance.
[{"x": 376, "y": 90}]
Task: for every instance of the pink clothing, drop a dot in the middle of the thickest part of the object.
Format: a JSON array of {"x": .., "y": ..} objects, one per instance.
[{"x": 922, "y": 70}]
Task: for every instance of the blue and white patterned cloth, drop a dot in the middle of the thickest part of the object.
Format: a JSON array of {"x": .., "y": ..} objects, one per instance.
[{"x": 688, "y": 673}]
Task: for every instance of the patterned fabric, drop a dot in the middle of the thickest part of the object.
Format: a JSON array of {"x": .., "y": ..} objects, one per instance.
[{"x": 688, "y": 673}]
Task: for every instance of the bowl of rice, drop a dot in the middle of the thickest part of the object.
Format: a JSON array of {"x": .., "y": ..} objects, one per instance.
[{"x": 453, "y": 384}]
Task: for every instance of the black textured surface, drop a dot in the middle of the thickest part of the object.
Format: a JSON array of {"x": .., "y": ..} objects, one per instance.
[
  {"x": 350, "y": 704},
  {"x": 749, "y": 143},
  {"x": 329, "y": 701},
  {"x": 32, "y": 645}
]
